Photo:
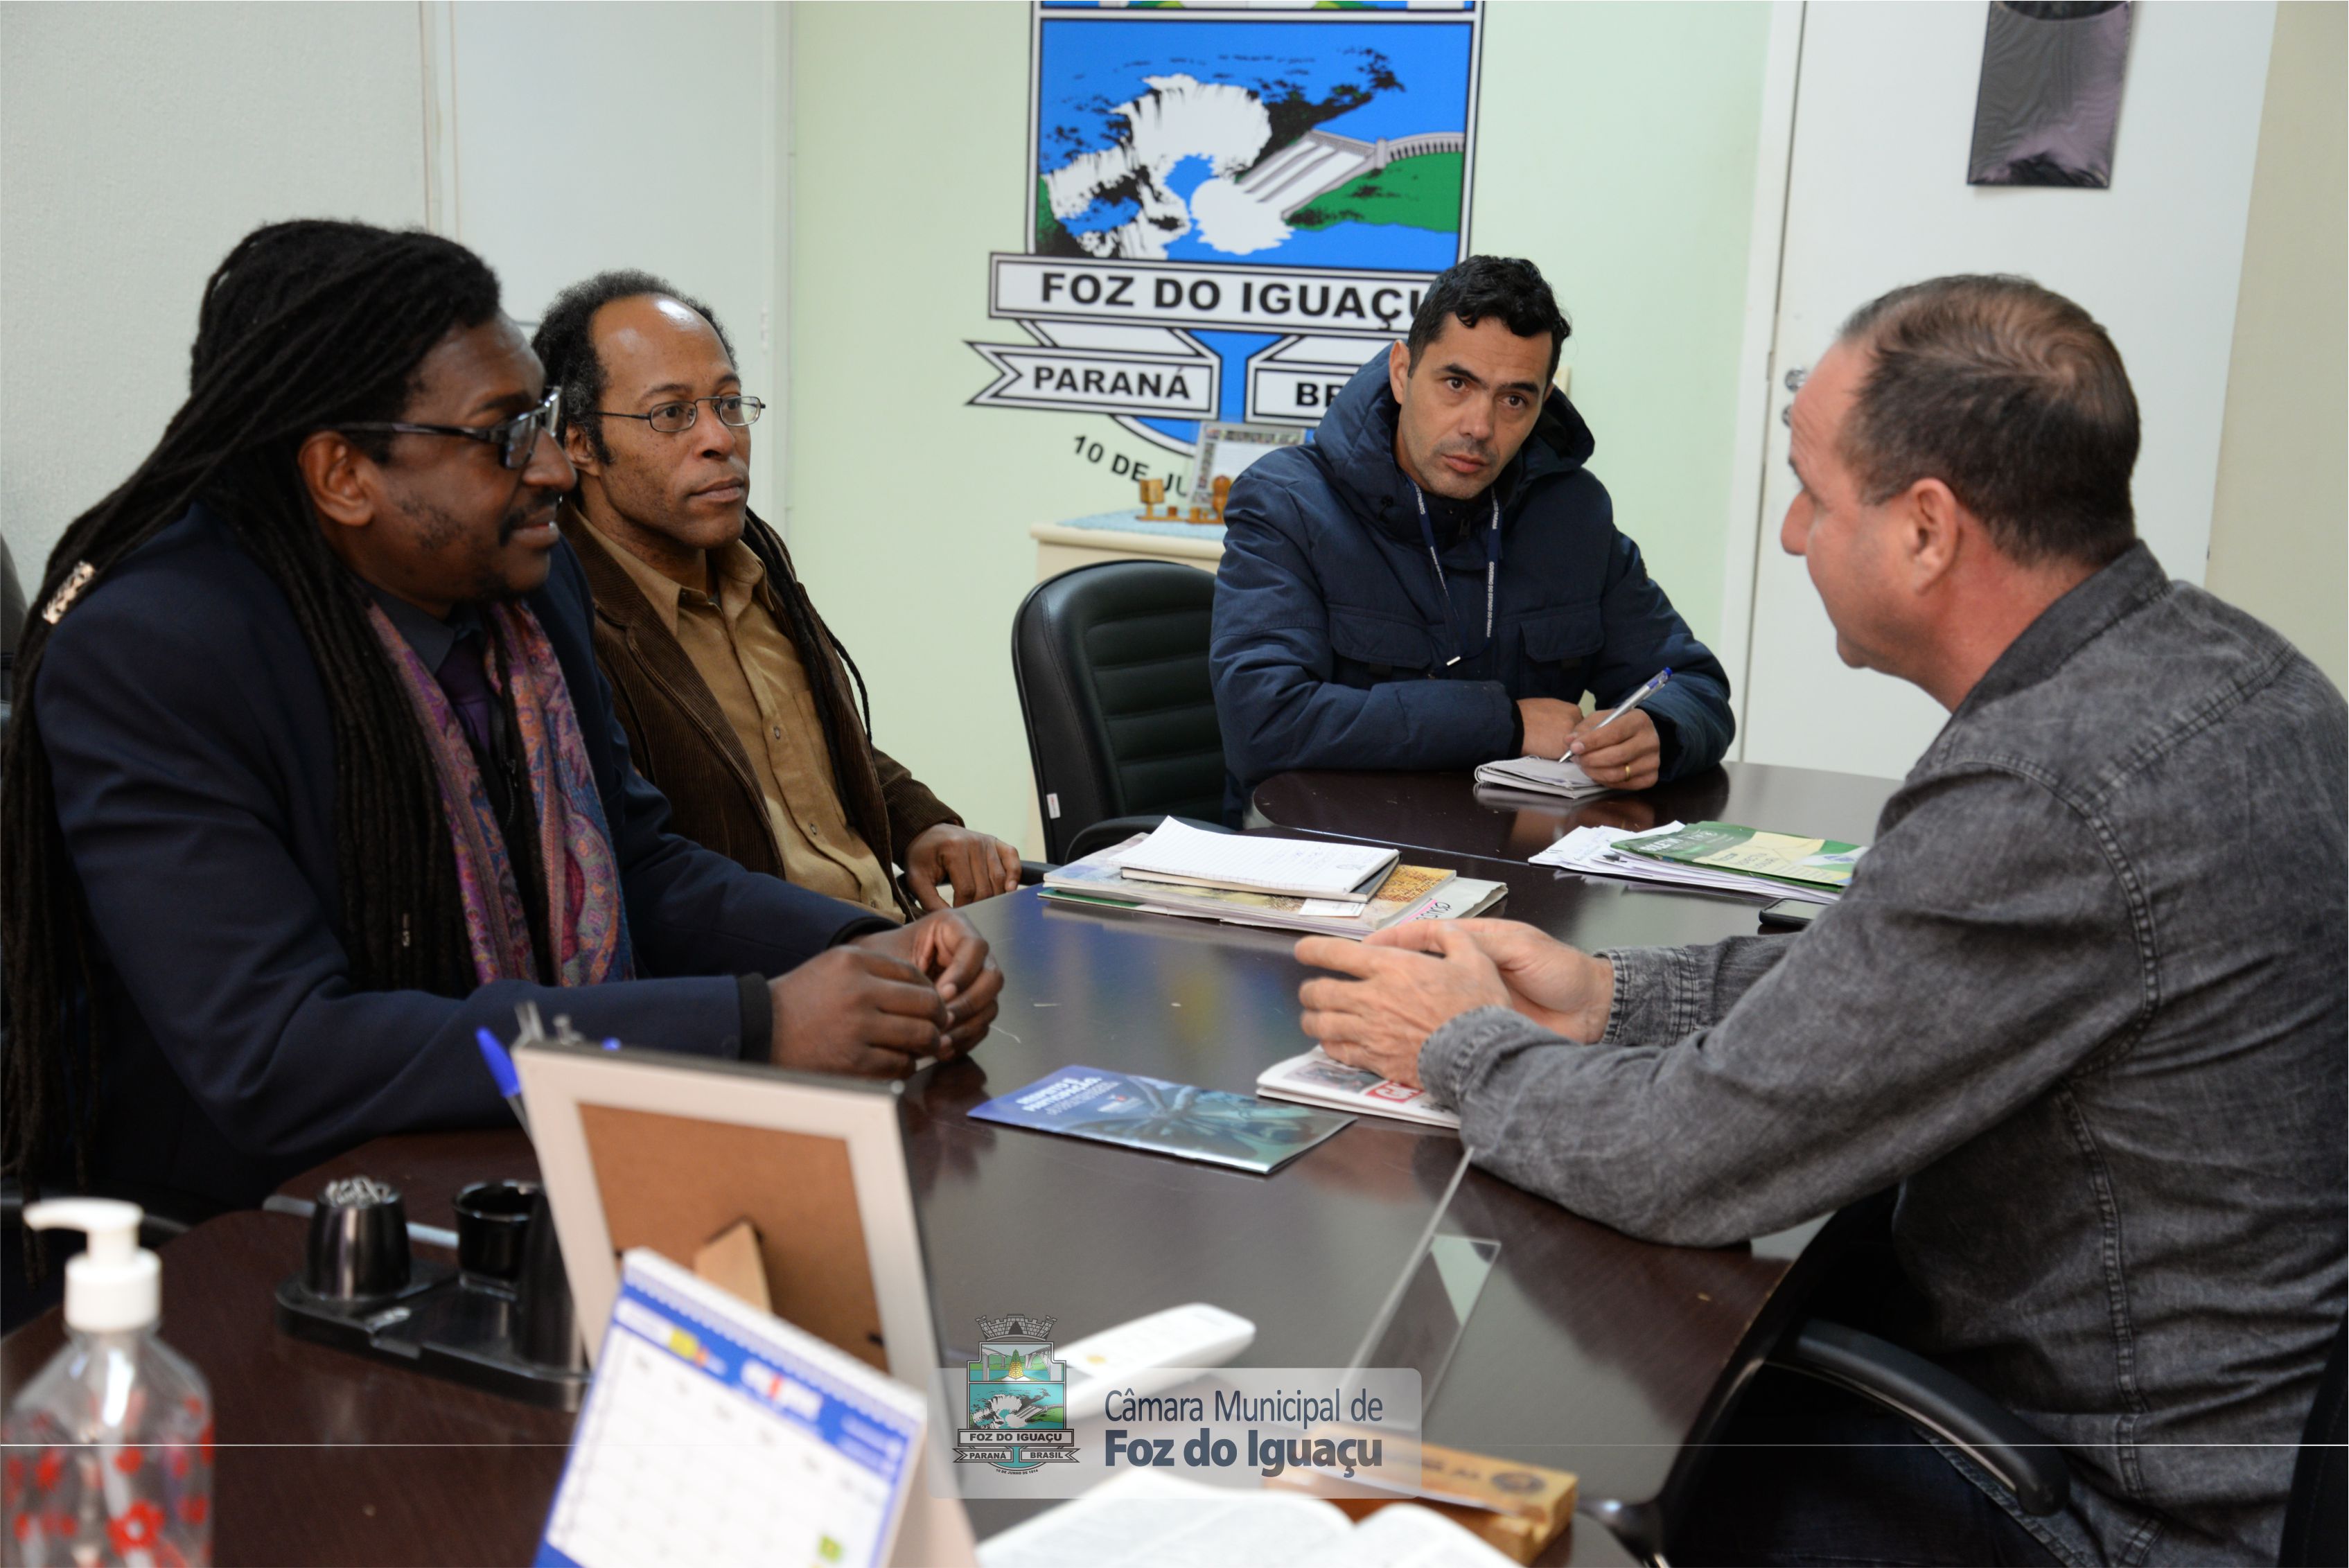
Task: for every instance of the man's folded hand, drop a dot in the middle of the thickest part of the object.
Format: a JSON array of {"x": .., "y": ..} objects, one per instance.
[
  {"x": 953, "y": 957},
  {"x": 855, "y": 1009},
  {"x": 975, "y": 865},
  {"x": 1380, "y": 1019},
  {"x": 1558, "y": 987}
]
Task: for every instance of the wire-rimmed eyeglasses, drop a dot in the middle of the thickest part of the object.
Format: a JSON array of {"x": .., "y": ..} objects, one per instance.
[
  {"x": 515, "y": 439},
  {"x": 671, "y": 418}
]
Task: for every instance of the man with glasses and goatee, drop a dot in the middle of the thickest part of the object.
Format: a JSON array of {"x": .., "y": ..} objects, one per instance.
[
  {"x": 737, "y": 698},
  {"x": 311, "y": 777}
]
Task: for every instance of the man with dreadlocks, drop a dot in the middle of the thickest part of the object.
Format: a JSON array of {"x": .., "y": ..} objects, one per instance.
[
  {"x": 734, "y": 693},
  {"x": 311, "y": 775}
]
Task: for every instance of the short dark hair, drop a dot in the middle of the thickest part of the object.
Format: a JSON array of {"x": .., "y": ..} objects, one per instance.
[
  {"x": 1504, "y": 286},
  {"x": 2012, "y": 396},
  {"x": 565, "y": 343}
]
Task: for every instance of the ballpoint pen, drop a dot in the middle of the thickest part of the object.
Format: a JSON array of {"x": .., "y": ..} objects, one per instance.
[
  {"x": 501, "y": 1069},
  {"x": 1648, "y": 688}
]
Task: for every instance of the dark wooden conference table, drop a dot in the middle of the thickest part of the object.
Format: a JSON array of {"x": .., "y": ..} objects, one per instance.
[{"x": 1588, "y": 1351}]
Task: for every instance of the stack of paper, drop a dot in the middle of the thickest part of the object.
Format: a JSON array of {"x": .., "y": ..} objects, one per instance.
[
  {"x": 1716, "y": 855},
  {"x": 1298, "y": 868},
  {"x": 1540, "y": 776},
  {"x": 1404, "y": 892}
]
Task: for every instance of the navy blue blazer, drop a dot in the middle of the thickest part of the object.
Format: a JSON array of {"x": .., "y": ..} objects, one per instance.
[
  {"x": 188, "y": 734},
  {"x": 1332, "y": 642}
]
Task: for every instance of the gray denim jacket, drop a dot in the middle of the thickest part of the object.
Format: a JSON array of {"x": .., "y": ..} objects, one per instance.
[{"x": 2084, "y": 1001}]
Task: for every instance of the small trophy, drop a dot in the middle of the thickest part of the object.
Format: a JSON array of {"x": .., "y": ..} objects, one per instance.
[
  {"x": 1212, "y": 515},
  {"x": 1153, "y": 494}
]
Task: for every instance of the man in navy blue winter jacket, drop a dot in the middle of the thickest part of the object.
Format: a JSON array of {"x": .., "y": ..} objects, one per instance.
[{"x": 1437, "y": 580}]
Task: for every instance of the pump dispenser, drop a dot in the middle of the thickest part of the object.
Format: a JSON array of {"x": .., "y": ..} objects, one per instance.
[
  {"x": 117, "y": 1284},
  {"x": 110, "y": 1447}
]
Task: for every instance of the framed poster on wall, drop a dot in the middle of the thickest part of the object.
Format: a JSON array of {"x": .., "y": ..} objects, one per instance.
[{"x": 1225, "y": 211}]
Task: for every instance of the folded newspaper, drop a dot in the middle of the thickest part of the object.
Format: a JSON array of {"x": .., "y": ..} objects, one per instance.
[
  {"x": 1719, "y": 856},
  {"x": 1409, "y": 892}
]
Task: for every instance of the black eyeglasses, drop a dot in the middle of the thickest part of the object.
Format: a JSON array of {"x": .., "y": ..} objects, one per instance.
[
  {"x": 515, "y": 439},
  {"x": 671, "y": 418}
]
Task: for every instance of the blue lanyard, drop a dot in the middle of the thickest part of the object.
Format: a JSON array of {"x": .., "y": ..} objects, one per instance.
[{"x": 1443, "y": 592}]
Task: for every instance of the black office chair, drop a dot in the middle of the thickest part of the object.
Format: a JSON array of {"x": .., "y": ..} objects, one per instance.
[
  {"x": 2027, "y": 1463},
  {"x": 2316, "y": 1520},
  {"x": 2022, "y": 1459},
  {"x": 1112, "y": 666}
]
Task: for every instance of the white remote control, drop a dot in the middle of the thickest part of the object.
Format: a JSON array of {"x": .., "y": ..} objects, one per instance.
[{"x": 1151, "y": 1354}]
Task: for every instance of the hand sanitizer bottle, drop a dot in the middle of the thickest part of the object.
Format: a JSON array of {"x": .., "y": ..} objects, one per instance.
[{"x": 110, "y": 1447}]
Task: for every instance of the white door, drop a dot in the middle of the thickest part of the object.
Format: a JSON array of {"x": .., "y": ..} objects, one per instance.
[{"x": 1876, "y": 197}]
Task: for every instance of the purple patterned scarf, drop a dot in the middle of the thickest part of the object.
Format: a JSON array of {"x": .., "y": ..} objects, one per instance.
[{"x": 586, "y": 919}]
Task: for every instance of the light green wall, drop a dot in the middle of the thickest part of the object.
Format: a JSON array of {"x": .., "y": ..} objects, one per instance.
[
  {"x": 1616, "y": 148},
  {"x": 2279, "y": 521}
]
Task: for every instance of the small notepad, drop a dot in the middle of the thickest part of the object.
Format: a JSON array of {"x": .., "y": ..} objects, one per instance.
[
  {"x": 718, "y": 1433},
  {"x": 1540, "y": 775}
]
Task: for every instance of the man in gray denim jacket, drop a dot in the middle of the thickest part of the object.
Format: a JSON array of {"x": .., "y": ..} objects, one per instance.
[{"x": 2083, "y": 1001}]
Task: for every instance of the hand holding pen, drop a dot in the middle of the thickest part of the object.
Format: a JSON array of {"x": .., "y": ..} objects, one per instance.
[{"x": 1620, "y": 747}]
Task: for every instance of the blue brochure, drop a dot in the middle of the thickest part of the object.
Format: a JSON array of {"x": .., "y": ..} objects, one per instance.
[{"x": 1164, "y": 1118}]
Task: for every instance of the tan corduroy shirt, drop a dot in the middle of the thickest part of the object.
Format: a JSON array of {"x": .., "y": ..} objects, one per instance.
[{"x": 754, "y": 672}]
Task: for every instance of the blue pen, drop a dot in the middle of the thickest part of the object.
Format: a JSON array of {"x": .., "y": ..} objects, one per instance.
[
  {"x": 501, "y": 1069},
  {"x": 1648, "y": 688}
]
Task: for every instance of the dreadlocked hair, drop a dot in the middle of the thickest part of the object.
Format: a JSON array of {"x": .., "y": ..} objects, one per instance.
[{"x": 304, "y": 326}]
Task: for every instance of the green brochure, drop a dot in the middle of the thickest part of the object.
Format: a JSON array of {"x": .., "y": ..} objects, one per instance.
[{"x": 1750, "y": 852}]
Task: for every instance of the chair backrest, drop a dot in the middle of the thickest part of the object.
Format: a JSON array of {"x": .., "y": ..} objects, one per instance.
[
  {"x": 2316, "y": 1520},
  {"x": 1112, "y": 666}
]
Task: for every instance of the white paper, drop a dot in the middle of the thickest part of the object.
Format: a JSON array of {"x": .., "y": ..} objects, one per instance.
[{"x": 1301, "y": 866}]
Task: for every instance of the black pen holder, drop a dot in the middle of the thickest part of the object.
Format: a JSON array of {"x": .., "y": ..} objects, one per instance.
[
  {"x": 493, "y": 1223},
  {"x": 546, "y": 1330},
  {"x": 499, "y": 1319},
  {"x": 358, "y": 1244}
]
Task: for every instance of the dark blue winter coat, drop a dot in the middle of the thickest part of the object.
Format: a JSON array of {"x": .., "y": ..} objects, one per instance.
[
  {"x": 1330, "y": 641},
  {"x": 189, "y": 735}
]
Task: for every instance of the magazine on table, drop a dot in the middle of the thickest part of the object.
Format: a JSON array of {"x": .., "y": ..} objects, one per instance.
[
  {"x": 1318, "y": 1079},
  {"x": 1711, "y": 856},
  {"x": 1163, "y": 1117}
]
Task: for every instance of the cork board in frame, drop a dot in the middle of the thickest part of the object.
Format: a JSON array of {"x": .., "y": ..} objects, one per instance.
[
  {"x": 651, "y": 1149},
  {"x": 672, "y": 1183}
]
